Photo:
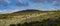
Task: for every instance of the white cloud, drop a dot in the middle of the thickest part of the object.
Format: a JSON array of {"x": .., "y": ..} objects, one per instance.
[
  {"x": 7, "y": 11},
  {"x": 31, "y": 5},
  {"x": 5, "y": 1},
  {"x": 22, "y": 1}
]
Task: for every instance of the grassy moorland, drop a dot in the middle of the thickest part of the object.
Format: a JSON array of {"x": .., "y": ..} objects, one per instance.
[{"x": 31, "y": 18}]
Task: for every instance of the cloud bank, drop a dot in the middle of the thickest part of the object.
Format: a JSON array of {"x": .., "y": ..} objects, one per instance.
[{"x": 8, "y": 6}]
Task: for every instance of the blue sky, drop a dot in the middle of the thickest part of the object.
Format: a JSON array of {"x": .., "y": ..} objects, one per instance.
[{"x": 9, "y": 6}]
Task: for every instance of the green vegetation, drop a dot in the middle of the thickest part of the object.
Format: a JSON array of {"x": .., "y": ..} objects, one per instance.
[
  {"x": 49, "y": 18},
  {"x": 48, "y": 22}
]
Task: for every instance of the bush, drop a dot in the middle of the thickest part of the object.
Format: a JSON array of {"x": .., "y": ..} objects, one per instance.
[{"x": 12, "y": 25}]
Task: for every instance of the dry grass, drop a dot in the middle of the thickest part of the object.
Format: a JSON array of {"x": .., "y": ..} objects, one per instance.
[{"x": 14, "y": 18}]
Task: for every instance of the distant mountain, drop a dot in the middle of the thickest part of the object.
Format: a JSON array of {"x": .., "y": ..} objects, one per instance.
[
  {"x": 28, "y": 10},
  {"x": 33, "y": 10}
]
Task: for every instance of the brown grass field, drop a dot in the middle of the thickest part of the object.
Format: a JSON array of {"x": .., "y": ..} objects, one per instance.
[{"x": 36, "y": 18}]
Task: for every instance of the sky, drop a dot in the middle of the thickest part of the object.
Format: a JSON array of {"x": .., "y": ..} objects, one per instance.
[{"x": 10, "y": 6}]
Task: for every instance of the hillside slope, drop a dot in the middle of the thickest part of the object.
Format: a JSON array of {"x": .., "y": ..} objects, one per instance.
[{"x": 22, "y": 17}]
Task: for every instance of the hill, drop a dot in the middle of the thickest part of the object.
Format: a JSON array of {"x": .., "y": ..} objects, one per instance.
[{"x": 28, "y": 16}]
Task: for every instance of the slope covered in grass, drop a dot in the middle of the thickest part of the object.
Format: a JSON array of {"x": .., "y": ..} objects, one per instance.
[{"x": 29, "y": 16}]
